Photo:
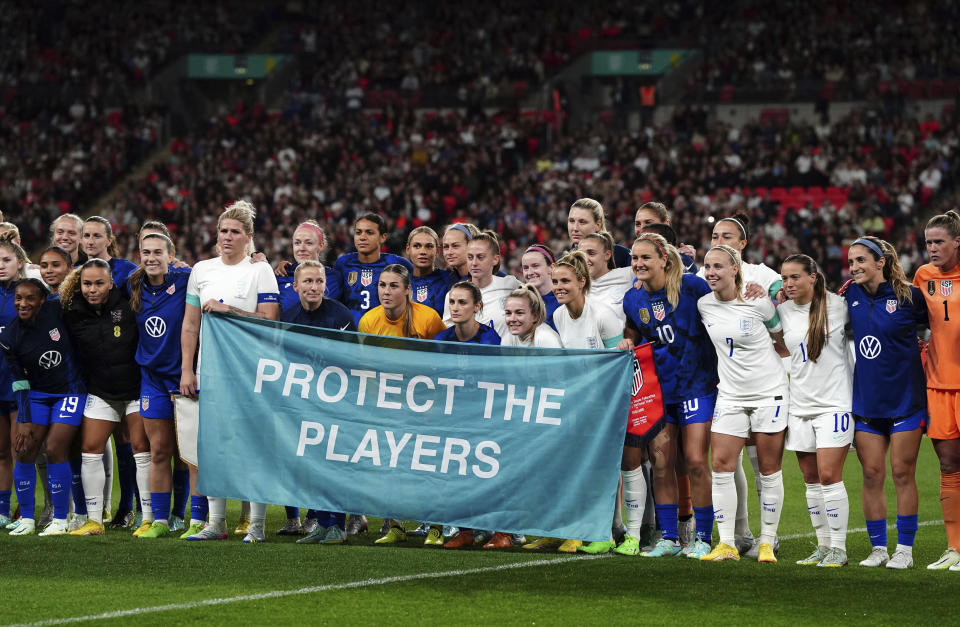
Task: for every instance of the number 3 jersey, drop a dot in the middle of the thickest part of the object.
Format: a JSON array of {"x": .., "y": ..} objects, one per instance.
[
  {"x": 685, "y": 360},
  {"x": 824, "y": 386},
  {"x": 888, "y": 379},
  {"x": 751, "y": 372},
  {"x": 942, "y": 291}
]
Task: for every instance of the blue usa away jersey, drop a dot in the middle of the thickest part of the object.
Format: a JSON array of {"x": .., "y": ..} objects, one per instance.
[
  {"x": 289, "y": 296},
  {"x": 430, "y": 290},
  {"x": 485, "y": 335},
  {"x": 8, "y": 314},
  {"x": 42, "y": 352},
  {"x": 331, "y": 314},
  {"x": 682, "y": 352},
  {"x": 359, "y": 281},
  {"x": 159, "y": 321}
]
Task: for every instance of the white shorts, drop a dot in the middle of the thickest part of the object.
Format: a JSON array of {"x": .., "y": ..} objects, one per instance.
[
  {"x": 186, "y": 413},
  {"x": 111, "y": 411},
  {"x": 808, "y": 433},
  {"x": 740, "y": 421}
]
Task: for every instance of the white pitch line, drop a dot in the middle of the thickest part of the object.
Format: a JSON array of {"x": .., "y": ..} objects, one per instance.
[{"x": 277, "y": 594}]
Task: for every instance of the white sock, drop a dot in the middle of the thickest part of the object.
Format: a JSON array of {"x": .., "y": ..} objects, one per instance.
[
  {"x": 837, "y": 506},
  {"x": 751, "y": 450},
  {"x": 725, "y": 506},
  {"x": 818, "y": 518},
  {"x": 618, "y": 508},
  {"x": 218, "y": 511},
  {"x": 107, "y": 478},
  {"x": 771, "y": 504},
  {"x": 649, "y": 509},
  {"x": 742, "y": 528},
  {"x": 142, "y": 460},
  {"x": 258, "y": 513},
  {"x": 634, "y": 499},
  {"x": 91, "y": 476}
]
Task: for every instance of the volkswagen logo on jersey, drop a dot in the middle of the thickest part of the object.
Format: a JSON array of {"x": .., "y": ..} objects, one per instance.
[
  {"x": 422, "y": 293},
  {"x": 50, "y": 359},
  {"x": 870, "y": 347},
  {"x": 55, "y": 334},
  {"x": 659, "y": 312},
  {"x": 946, "y": 287},
  {"x": 637, "y": 377},
  {"x": 366, "y": 277},
  {"x": 155, "y": 326}
]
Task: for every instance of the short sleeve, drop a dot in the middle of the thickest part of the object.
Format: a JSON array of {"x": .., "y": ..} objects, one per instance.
[
  {"x": 771, "y": 319},
  {"x": 193, "y": 290},
  {"x": 267, "y": 289}
]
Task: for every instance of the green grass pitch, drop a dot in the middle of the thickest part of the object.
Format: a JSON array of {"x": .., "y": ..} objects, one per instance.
[{"x": 122, "y": 580}]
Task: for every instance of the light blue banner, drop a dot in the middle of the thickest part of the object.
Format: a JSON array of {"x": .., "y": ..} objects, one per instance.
[{"x": 517, "y": 440}]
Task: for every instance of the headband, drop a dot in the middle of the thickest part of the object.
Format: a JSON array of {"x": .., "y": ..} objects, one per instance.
[
  {"x": 870, "y": 245},
  {"x": 730, "y": 253},
  {"x": 459, "y": 227},
  {"x": 537, "y": 248},
  {"x": 663, "y": 251},
  {"x": 738, "y": 223},
  {"x": 307, "y": 225}
]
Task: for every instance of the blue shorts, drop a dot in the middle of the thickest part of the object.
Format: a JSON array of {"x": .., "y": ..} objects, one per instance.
[
  {"x": 691, "y": 411},
  {"x": 886, "y": 426},
  {"x": 47, "y": 409},
  {"x": 156, "y": 401}
]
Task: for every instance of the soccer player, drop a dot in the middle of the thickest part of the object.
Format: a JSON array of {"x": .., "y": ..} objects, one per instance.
[
  {"x": 586, "y": 217},
  {"x": 312, "y": 309},
  {"x": 429, "y": 284},
  {"x": 526, "y": 314},
  {"x": 55, "y": 265},
  {"x": 50, "y": 396},
  {"x": 936, "y": 281},
  {"x": 12, "y": 269},
  {"x": 655, "y": 213},
  {"x": 483, "y": 259},
  {"x": 398, "y": 316},
  {"x": 819, "y": 427},
  {"x": 104, "y": 331},
  {"x": 157, "y": 298},
  {"x": 230, "y": 283},
  {"x": 752, "y": 398},
  {"x": 360, "y": 271},
  {"x": 65, "y": 232},
  {"x": 662, "y": 309},
  {"x": 889, "y": 391},
  {"x": 607, "y": 283},
  {"x": 455, "y": 240},
  {"x": 536, "y": 265},
  {"x": 309, "y": 241},
  {"x": 99, "y": 243}
]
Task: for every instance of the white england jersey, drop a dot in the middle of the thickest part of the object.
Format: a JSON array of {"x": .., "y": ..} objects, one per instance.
[
  {"x": 758, "y": 273},
  {"x": 494, "y": 297},
  {"x": 596, "y": 323},
  {"x": 543, "y": 337},
  {"x": 610, "y": 289},
  {"x": 751, "y": 373},
  {"x": 827, "y": 385},
  {"x": 241, "y": 285}
]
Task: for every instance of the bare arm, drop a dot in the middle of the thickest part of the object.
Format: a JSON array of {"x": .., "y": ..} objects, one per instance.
[
  {"x": 778, "y": 344},
  {"x": 189, "y": 338},
  {"x": 265, "y": 311}
]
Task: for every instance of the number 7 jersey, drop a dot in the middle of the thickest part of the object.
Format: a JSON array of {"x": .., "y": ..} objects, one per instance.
[{"x": 941, "y": 290}]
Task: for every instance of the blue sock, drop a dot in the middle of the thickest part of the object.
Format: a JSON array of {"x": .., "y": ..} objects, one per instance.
[
  {"x": 314, "y": 514},
  {"x": 76, "y": 488},
  {"x": 198, "y": 507},
  {"x": 667, "y": 518},
  {"x": 59, "y": 477},
  {"x": 5, "y": 503},
  {"x": 906, "y": 529},
  {"x": 181, "y": 490},
  {"x": 127, "y": 474},
  {"x": 338, "y": 520},
  {"x": 292, "y": 512},
  {"x": 704, "y": 518},
  {"x": 160, "y": 503},
  {"x": 877, "y": 530},
  {"x": 25, "y": 480}
]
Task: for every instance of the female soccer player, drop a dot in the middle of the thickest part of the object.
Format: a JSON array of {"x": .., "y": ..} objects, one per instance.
[
  {"x": 821, "y": 394},
  {"x": 66, "y": 232},
  {"x": 607, "y": 283},
  {"x": 936, "y": 281},
  {"x": 429, "y": 284},
  {"x": 586, "y": 217},
  {"x": 483, "y": 257},
  {"x": 536, "y": 265},
  {"x": 309, "y": 241},
  {"x": 455, "y": 240},
  {"x": 398, "y": 316},
  {"x": 662, "y": 309},
  {"x": 526, "y": 314},
  {"x": 55, "y": 265},
  {"x": 752, "y": 397},
  {"x": 360, "y": 271},
  {"x": 230, "y": 283},
  {"x": 99, "y": 243},
  {"x": 12, "y": 269},
  {"x": 50, "y": 395},
  {"x": 889, "y": 391},
  {"x": 656, "y": 213},
  {"x": 104, "y": 331}
]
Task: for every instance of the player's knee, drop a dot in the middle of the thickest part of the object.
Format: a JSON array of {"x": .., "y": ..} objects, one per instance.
[
  {"x": 161, "y": 454},
  {"x": 903, "y": 474},
  {"x": 873, "y": 476}
]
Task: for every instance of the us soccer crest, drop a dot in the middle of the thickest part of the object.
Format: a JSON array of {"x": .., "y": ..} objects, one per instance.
[
  {"x": 645, "y": 315},
  {"x": 891, "y": 305},
  {"x": 366, "y": 277},
  {"x": 422, "y": 293},
  {"x": 351, "y": 278},
  {"x": 946, "y": 287},
  {"x": 145, "y": 402},
  {"x": 55, "y": 334},
  {"x": 637, "y": 376},
  {"x": 116, "y": 315},
  {"x": 658, "y": 311},
  {"x": 931, "y": 287},
  {"x": 171, "y": 289}
]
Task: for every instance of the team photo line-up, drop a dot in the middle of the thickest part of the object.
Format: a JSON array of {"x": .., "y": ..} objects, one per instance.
[{"x": 748, "y": 360}]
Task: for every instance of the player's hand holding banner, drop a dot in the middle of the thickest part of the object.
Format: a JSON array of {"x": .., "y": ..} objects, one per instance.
[{"x": 519, "y": 440}]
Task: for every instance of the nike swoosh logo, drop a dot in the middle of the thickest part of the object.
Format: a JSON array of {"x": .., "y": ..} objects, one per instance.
[
  {"x": 897, "y": 424},
  {"x": 769, "y": 504},
  {"x": 833, "y": 510},
  {"x": 344, "y": 327}
]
